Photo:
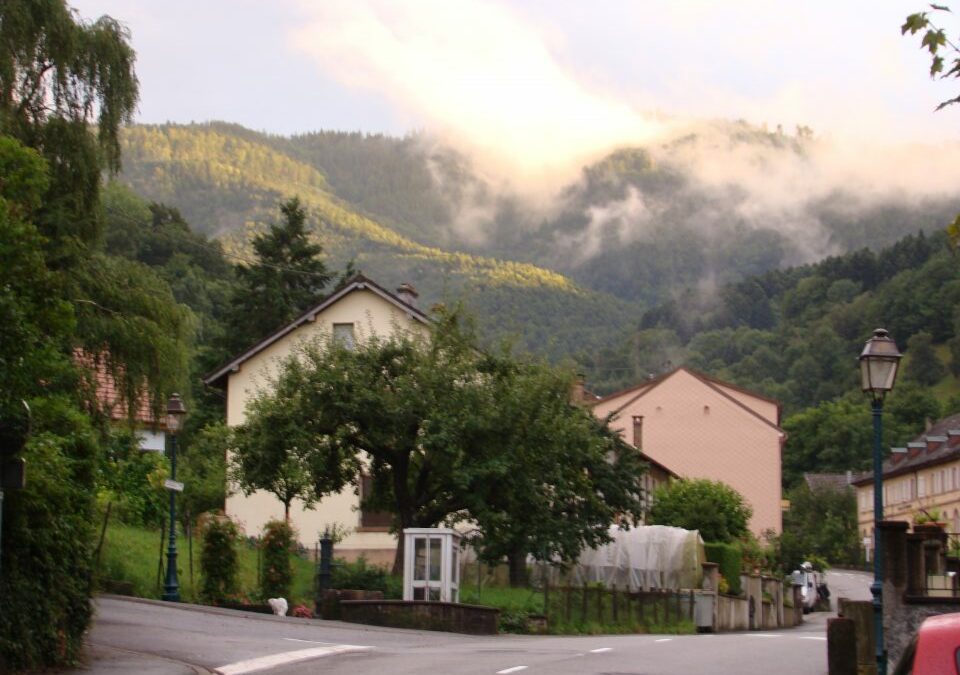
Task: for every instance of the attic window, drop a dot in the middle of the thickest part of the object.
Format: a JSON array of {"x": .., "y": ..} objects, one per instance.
[{"x": 343, "y": 334}]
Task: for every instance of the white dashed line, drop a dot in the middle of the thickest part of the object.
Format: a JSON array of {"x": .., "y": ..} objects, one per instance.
[
  {"x": 812, "y": 637},
  {"x": 511, "y": 670},
  {"x": 312, "y": 642},
  {"x": 275, "y": 660},
  {"x": 663, "y": 640},
  {"x": 764, "y": 635},
  {"x": 601, "y": 650}
]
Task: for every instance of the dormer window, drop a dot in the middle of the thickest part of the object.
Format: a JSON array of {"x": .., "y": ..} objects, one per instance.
[{"x": 343, "y": 334}]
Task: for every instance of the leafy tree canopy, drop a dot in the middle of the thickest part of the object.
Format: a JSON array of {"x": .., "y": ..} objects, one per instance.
[
  {"x": 821, "y": 522},
  {"x": 714, "y": 508}
]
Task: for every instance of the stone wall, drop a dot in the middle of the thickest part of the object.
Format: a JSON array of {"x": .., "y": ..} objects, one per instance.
[
  {"x": 907, "y": 558},
  {"x": 423, "y": 615}
]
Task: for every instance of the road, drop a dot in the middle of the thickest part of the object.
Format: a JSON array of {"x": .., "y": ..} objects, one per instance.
[{"x": 152, "y": 638}]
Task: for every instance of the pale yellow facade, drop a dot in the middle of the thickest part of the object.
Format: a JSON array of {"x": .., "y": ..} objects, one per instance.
[
  {"x": 702, "y": 428},
  {"x": 931, "y": 489},
  {"x": 368, "y": 312}
]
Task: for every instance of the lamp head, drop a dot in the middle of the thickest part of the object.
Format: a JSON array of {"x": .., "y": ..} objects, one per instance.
[
  {"x": 176, "y": 411},
  {"x": 879, "y": 361}
]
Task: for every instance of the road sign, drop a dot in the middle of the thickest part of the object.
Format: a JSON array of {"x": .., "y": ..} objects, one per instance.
[{"x": 174, "y": 485}]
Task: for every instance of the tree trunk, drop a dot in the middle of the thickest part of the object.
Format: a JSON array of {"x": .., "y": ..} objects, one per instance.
[
  {"x": 518, "y": 569},
  {"x": 398, "y": 557}
]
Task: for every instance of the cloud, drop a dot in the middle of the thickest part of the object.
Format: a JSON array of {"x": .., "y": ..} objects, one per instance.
[{"x": 475, "y": 71}]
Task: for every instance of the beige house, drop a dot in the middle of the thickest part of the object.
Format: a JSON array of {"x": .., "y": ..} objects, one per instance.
[
  {"x": 922, "y": 479},
  {"x": 701, "y": 427},
  {"x": 358, "y": 309}
]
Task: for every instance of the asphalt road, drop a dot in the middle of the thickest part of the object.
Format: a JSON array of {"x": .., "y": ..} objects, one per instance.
[{"x": 153, "y": 638}]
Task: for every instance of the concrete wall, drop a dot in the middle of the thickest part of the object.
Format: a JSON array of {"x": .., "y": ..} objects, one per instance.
[{"x": 699, "y": 432}]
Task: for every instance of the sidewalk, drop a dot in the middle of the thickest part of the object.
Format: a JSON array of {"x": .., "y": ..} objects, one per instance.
[{"x": 103, "y": 660}]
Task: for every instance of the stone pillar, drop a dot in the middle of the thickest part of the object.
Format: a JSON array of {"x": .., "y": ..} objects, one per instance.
[
  {"x": 841, "y": 647},
  {"x": 754, "y": 592},
  {"x": 916, "y": 564},
  {"x": 895, "y": 574},
  {"x": 711, "y": 576}
]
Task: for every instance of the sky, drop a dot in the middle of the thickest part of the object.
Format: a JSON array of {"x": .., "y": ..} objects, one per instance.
[{"x": 535, "y": 81}]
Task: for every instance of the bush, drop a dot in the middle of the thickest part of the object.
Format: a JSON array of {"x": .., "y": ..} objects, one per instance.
[
  {"x": 730, "y": 559},
  {"x": 361, "y": 576},
  {"x": 47, "y": 542},
  {"x": 276, "y": 578},
  {"x": 219, "y": 563}
]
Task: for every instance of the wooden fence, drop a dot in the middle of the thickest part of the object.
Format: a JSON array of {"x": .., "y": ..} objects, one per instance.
[{"x": 572, "y": 605}]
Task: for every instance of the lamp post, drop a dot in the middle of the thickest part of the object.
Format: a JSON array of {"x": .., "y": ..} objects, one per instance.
[
  {"x": 878, "y": 370},
  {"x": 175, "y": 414}
]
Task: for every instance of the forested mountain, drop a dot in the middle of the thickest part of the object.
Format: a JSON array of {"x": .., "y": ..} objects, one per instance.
[
  {"x": 637, "y": 265},
  {"x": 229, "y": 183}
]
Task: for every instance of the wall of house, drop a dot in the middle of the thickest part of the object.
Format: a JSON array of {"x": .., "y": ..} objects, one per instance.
[
  {"x": 935, "y": 488},
  {"x": 371, "y": 315},
  {"x": 700, "y": 433}
]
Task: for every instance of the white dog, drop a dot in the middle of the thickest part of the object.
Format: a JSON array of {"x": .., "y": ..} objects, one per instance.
[{"x": 278, "y": 605}]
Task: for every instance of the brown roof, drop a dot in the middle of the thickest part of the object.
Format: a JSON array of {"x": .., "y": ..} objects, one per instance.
[
  {"x": 937, "y": 445},
  {"x": 110, "y": 399},
  {"x": 834, "y": 481},
  {"x": 357, "y": 282},
  {"x": 715, "y": 384}
]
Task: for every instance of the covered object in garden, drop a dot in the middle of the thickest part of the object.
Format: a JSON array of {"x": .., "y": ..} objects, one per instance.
[{"x": 644, "y": 558}]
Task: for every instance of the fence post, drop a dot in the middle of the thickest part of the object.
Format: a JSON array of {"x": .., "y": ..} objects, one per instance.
[
  {"x": 546, "y": 597},
  {"x": 569, "y": 601},
  {"x": 600, "y": 604},
  {"x": 583, "y": 615}
]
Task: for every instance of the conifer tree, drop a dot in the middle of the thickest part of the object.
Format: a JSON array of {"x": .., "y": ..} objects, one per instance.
[{"x": 288, "y": 276}]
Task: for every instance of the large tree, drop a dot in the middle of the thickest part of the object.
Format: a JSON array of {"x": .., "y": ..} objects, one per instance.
[
  {"x": 821, "y": 522},
  {"x": 551, "y": 479},
  {"x": 286, "y": 277},
  {"x": 446, "y": 432},
  {"x": 66, "y": 87}
]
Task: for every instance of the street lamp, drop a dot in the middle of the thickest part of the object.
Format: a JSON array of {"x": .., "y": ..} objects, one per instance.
[
  {"x": 175, "y": 414},
  {"x": 878, "y": 370}
]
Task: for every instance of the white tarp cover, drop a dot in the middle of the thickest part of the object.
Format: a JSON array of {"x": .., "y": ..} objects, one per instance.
[{"x": 643, "y": 558}]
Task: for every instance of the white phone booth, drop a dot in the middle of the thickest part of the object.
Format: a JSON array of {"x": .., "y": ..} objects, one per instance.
[{"x": 431, "y": 564}]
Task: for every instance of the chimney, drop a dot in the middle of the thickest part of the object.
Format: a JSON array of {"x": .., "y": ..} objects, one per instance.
[
  {"x": 408, "y": 294},
  {"x": 638, "y": 432},
  {"x": 576, "y": 390}
]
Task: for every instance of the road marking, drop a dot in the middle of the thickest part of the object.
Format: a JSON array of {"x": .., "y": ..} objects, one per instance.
[
  {"x": 313, "y": 642},
  {"x": 765, "y": 635},
  {"x": 811, "y": 637},
  {"x": 601, "y": 650},
  {"x": 275, "y": 660},
  {"x": 511, "y": 670},
  {"x": 663, "y": 640}
]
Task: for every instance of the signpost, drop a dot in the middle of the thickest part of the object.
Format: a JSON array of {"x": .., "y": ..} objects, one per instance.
[{"x": 175, "y": 486}]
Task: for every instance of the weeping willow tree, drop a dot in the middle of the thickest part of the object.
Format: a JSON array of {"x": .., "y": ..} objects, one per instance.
[{"x": 66, "y": 88}]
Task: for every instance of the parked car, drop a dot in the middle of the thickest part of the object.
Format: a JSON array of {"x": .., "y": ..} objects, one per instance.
[
  {"x": 934, "y": 649},
  {"x": 813, "y": 587}
]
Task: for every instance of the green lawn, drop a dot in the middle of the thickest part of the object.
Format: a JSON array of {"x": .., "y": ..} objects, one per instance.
[{"x": 132, "y": 554}]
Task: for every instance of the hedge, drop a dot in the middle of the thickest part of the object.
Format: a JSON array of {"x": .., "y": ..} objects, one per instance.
[{"x": 730, "y": 559}]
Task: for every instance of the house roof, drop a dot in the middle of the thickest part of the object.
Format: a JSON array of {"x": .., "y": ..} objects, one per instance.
[
  {"x": 652, "y": 462},
  {"x": 937, "y": 445},
  {"x": 718, "y": 386},
  {"x": 110, "y": 399},
  {"x": 834, "y": 481},
  {"x": 357, "y": 283}
]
